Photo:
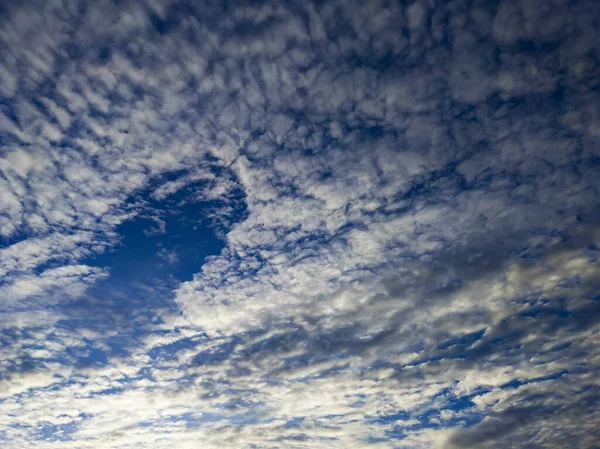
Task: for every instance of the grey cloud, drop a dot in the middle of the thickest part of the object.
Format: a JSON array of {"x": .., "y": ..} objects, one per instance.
[
  {"x": 406, "y": 170},
  {"x": 518, "y": 424}
]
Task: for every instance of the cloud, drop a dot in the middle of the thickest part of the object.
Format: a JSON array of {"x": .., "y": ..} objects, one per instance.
[{"x": 405, "y": 196}]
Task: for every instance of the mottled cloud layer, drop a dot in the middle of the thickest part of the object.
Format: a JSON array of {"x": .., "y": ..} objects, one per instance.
[{"x": 402, "y": 198}]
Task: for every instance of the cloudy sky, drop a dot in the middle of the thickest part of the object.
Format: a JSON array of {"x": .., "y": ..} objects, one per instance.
[{"x": 301, "y": 224}]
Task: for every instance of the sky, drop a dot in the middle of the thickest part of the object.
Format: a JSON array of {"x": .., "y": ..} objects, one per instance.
[{"x": 299, "y": 224}]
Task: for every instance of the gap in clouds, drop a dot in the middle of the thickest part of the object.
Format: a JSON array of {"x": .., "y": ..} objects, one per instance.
[
  {"x": 165, "y": 242},
  {"x": 168, "y": 236}
]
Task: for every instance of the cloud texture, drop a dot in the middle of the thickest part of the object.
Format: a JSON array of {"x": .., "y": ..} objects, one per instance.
[{"x": 299, "y": 224}]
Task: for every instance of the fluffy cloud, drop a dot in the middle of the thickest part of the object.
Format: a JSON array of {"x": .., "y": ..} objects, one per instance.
[{"x": 405, "y": 197}]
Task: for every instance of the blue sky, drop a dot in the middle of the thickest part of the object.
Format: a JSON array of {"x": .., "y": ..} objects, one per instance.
[{"x": 300, "y": 225}]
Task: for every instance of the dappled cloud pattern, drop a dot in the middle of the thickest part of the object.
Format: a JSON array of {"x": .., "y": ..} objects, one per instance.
[{"x": 328, "y": 224}]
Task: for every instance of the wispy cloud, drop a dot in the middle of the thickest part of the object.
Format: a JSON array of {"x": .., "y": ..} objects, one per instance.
[{"x": 397, "y": 205}]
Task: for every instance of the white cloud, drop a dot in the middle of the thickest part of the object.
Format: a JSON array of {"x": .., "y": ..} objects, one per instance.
[{"x": 420, "y": 224}]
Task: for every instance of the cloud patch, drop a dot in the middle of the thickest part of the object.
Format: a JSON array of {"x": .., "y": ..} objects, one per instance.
[{"x": 323, "y": 224}]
